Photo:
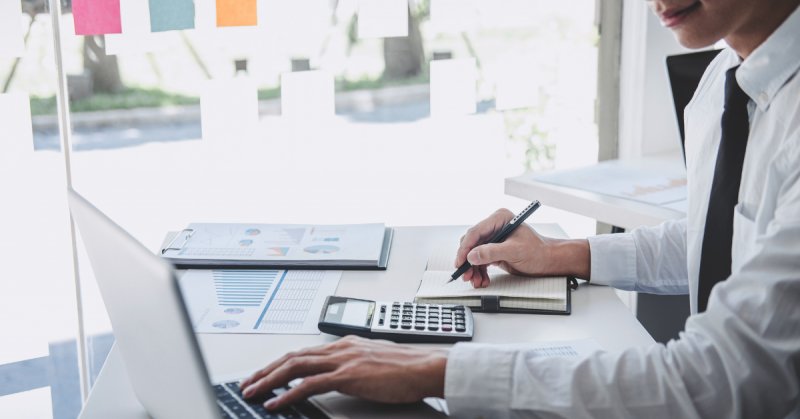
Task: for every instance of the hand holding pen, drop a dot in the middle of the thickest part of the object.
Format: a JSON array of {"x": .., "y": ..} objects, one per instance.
[{"x": 523, "y": 252}]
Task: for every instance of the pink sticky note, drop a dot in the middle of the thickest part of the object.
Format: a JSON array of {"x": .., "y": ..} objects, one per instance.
[{"x": 96, "y": 17}]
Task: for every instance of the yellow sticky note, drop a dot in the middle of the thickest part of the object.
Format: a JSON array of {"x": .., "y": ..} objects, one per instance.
[{"x": 237, "y": 13}]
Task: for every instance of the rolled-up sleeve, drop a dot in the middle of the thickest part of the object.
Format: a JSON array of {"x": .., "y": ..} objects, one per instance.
[{"x": 651, "y": 260}]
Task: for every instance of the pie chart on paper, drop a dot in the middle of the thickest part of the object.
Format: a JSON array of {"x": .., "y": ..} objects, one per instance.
[
  {"x": 321, "y": 249},
  {"x": 225, "y": 324}
]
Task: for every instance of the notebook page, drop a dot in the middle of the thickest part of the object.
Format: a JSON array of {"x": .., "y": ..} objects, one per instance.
[{"x": 504, "y": 285}]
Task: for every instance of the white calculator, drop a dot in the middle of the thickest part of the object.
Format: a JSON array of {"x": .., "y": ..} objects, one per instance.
[{"x": 399, "y": 322}]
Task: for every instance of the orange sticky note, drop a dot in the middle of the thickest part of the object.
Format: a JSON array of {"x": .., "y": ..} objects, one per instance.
[{"x": 237, "y": 13}]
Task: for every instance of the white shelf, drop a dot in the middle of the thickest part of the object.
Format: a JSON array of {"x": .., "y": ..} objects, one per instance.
[{"x": 612, "y": 210}]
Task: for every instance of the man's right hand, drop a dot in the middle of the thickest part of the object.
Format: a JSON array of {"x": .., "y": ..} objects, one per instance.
[{"x": 524, "y": 252}]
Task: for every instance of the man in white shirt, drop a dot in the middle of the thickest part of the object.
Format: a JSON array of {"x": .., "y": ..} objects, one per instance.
[{"x": 740, "y": 353}]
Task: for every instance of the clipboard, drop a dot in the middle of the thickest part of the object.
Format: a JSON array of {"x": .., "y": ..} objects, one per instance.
[{"x": 177, "y": 242}]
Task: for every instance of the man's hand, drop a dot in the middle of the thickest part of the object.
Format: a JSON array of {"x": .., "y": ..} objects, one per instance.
[
  {"x": 524, "y": 252},
  {"x": 371, "y": 369}
]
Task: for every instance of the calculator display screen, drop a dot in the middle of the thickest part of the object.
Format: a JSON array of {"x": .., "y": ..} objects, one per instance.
[{"x": 351, "y": 312}]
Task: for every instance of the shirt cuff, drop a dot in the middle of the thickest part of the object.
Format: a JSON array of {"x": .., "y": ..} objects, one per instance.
[
  {"x": 613, "y": 259},
  {"x": 478, "y": 381}
]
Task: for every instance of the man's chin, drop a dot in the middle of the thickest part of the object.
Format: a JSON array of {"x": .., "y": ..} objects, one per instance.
[{"x": 691, "y": 40}]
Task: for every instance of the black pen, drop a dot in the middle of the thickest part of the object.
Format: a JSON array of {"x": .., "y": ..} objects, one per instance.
[{"x": 500, "y": 236}]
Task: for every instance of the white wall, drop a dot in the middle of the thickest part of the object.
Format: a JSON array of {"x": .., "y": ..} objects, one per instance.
[{"x": 647, "y": 115}]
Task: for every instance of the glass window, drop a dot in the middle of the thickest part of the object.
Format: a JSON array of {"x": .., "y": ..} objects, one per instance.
[
  {"x": 39, "y": 370},
  {"x": 328, "y": 127}
]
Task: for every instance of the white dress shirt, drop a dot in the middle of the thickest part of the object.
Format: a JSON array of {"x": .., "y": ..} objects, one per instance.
[{"x": 738, "y": 359}]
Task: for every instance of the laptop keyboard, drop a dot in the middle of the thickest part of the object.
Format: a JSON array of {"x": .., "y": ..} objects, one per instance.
[{"x": 233, "y": 406}]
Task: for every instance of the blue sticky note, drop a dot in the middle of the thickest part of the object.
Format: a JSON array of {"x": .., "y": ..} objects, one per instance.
[{"x": 171, "y": 15}]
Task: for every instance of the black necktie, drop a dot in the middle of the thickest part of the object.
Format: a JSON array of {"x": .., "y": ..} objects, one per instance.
[{"x": 715, "y": 260}]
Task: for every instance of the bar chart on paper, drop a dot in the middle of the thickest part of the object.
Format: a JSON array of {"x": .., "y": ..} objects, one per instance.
[
  {"x": 257, "y": 301},
  {"x": 243, "y": 288}
]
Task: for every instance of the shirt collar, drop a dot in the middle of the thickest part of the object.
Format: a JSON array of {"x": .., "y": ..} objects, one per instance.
[{"x": 768, "y": 68}]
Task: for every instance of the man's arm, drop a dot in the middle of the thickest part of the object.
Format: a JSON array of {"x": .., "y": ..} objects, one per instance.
[
  {"x": 648, "y": 259},
  {"x": 740, "y": 358},
  {"x": 651, "y": 260}
]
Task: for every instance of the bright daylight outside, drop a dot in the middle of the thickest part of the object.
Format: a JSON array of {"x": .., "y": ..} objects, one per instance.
[{"x": 299, "y": 111}]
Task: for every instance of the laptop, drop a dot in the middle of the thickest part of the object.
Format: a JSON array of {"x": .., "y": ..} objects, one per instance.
[
  {"x": 685, "y": 72},
  {"x": 153, "y": 331}
]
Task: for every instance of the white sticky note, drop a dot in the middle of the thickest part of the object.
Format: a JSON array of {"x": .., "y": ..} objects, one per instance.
[
  {"x": 517, "y": 84},
  {"x": 228, "y": 109},
  {"x": 136, "y": 36},
  {"x": 33, "y": 404},
  {"x": 453, "y": 87},
  {"x": 12, "y": 36},
  {"x": 382, "y": 18},
  {"x": 307, "y": 94},
  {"x": 452, "y": 16},
  {"x": 205, "y": 14},
  {"x": 15, "y": 124}
]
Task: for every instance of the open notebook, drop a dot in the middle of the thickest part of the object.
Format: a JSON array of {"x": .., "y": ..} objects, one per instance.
[{"x": 507, "y": 292}]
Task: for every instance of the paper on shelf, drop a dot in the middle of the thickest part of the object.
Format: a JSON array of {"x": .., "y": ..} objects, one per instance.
[
  {"x": 453, "y": 87},
  {"x": 171, "y": 15},
  {"x": 621, "y": 182},
  {"x": 96, "y": 17},
  {"x": 307, "y": 94},
  {"x": 680, "y": 206},
  {"x": 12, "y": 35},
  {"x": 382, "y": 18},
  {"x": 264, "y": 301}
]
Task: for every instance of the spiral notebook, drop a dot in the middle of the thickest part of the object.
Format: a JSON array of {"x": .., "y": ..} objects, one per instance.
[{"x": 506, "y": 293}]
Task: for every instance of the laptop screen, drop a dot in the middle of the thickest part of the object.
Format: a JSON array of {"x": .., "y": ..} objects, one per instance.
[{"x": 685, "y": 72}]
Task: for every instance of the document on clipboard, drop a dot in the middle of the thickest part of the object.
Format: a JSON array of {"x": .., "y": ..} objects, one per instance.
[{"x": 280, "y": 246}]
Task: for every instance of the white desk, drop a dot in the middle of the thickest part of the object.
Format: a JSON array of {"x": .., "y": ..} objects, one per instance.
[
  {"x": 619, "y": 212},
  {"x": 597, "y": 313}
]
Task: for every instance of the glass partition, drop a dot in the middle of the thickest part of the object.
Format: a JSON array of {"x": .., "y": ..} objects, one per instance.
[
  {"x": 296, "y": 115},
  {"x": 39, "y": 368}
]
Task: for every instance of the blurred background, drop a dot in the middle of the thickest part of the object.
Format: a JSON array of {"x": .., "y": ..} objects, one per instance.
[{"x": 139, "y": 153}]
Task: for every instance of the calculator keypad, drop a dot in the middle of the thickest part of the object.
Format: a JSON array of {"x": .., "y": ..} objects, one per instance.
[{"x": 423, "y": 318}]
